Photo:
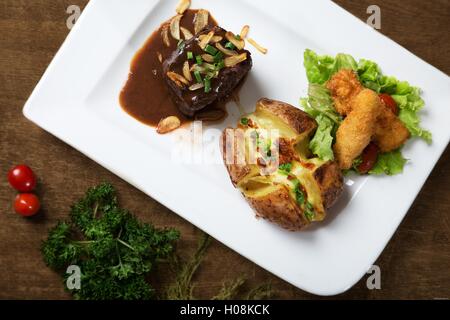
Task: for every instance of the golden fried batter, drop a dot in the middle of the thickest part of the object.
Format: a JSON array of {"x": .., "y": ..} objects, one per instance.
[
  {"x": 357, "y": 130},
  {"x": 344, "y": 86},
  {"x": 390, "y": 132}
]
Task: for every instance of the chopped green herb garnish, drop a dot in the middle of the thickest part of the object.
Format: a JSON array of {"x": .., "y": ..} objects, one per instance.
[
  {"x": 199, "y": 59},
  {"x": 181, "y": 44},
  {"x": 244, "y": 121},
  {"x": 209, "y": 66},
  {"x": 218, "y": 56},
  {"x": 309, "y": 212},
  {"x": 114, "y": 250},
  {"x": 220, "y": 65},
  {"x": 190, "y": 55},
  {"x": 237, "y": 37},
  {"x": 211, "y": 50},
  {"x": 210, "y": 75},
  {"x": 285, "y": 168},
  {"x": 301, "y": 200},
  {"x": 257, "y": 137},
  {"x": 268, "y": 148},
  {"x": 230, "y": 45},
  {"x": 207, "y": 83},
  {"x": 299, "y": 195},
  {"x": 198, "y": 76}
]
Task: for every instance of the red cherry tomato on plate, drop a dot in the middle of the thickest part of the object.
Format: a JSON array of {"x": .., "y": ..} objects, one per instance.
[
  {"x": 27, "y": 204},
  {"x": 22, "y": 178},
  {"x": 369, "y": 158},
  {"x": 389, "y": 102}
]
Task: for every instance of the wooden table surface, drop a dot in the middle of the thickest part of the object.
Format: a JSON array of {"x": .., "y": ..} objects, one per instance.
[{"x": 415, "y": 264}]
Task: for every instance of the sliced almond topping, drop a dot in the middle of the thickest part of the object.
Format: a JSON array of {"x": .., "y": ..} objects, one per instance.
[
  {"x": 168, "y": 124},
  {"x": 234, "y": 60},
  {"x": 175, "y": 26},
  {"x": 196, "y": 86},
  {"x": 205, "y": 68},
  {"x": 200, "y": 20},
  {"x": 179, "y": 80},
  {"x": 208, "y": 57},
  {"x": 212, "y": 74},
  {"x": 214, "y": 39},
  {"x": 182, "y": 6},
  {"x": 225, "y": 50},
  {"x": 203, "y": 43},
  {"x": 165, "y": 35},
  {"x": 244, "y": 31},
  {"x": 160, "y": 57},
  {"x": 208, "y": 66},
  {"x": 198, "y": 68},
  {"x": 240, "y": 44},
  {"x": 257, "y": 46},
  {"x": 186, "y": 71},
  {"x": 186, "y": 33}
]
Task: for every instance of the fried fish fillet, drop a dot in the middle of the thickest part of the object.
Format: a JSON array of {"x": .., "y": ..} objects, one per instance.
[
  {"x": 344, "y": 86},
  {"x": 390, "y": 132},
  {"x": 358, "y": 128}
]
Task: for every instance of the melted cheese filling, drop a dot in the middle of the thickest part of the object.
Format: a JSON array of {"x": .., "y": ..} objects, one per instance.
[{"x": 259, "y": 185}]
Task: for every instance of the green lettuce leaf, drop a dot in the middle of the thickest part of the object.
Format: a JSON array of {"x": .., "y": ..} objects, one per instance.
[
  {"x": 369, "y": 74},
  {"x": 319, "y": 69},
  {"x": 410, "y": 103},
  {"x": 344, "y": 61},
  {"x": 322, "y": 142},
  {"x": 319, "y": 102},
  {"x": 390, "y": 163},
  {"x": 319, "y": 105}
]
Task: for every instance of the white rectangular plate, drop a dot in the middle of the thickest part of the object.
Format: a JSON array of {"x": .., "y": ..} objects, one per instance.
[{"x": 77, "y": 101}]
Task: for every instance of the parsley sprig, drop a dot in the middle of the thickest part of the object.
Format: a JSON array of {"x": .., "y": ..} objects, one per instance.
[
  {"x": 301, "y": 199},
  {"x": 114, "y": 251}
]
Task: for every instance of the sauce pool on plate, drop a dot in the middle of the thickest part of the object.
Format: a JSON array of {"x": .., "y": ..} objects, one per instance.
[{"x": 145, "y": 96}]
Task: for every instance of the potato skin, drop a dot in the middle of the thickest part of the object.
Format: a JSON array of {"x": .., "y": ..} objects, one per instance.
[
  {"x": 228, "y": 141},
  {"x": 295, "y": 118},
  {"x": 280, "y": 208},
  {"x": 279, "y": 205},
  {"x": 330, "y": 181}
]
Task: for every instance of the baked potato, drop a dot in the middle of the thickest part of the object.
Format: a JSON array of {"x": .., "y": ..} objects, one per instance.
[{"x": 276, "y": 173}]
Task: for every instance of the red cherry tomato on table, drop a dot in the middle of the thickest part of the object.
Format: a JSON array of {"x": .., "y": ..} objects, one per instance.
[
  {"x": 389, "y": 102},
  {"x": 369, "y": 158},
  {"x": 26, "y": 204},
  {"x": 22, "y": 178}
]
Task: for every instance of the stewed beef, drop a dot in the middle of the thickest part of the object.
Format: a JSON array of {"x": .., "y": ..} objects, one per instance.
[{"x": 214, "y": 69}]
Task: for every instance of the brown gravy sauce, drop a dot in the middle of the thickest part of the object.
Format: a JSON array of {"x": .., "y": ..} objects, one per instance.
[{"x": 145, "y": 95}]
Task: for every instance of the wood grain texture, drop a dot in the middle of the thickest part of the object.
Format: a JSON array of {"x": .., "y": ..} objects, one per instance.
[{"x": 415, "y": 264}]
